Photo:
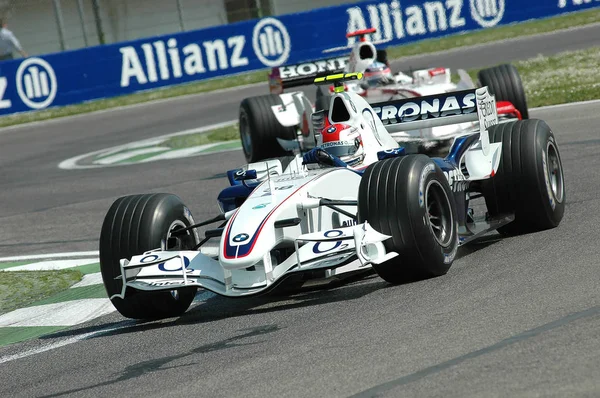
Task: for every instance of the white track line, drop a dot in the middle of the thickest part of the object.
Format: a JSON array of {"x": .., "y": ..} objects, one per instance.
[
  {"x": 72, "y": 162},
  {"x": 89, "y": 280},
  {"x": 53, "y": 256},
  {"x": 63, "y": 343},
  {"x": 66, "y": 313}
]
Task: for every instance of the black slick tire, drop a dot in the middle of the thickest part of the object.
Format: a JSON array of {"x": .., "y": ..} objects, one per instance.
[
  {"x": 505, "y": 83},
  {"x": 529, "y": 181},
  {"x": 133, "y": 225},
  {"x": 259, "y": 128},
  {"x": 409, "y": 199}
]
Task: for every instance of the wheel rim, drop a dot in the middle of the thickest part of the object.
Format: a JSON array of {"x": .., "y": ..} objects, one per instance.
[
  {"x": 175, "y": 225},
  {"x": 439, "y": 213},
  {"x": 555, "y": 172},
  {"x": 245, "y": 134}
]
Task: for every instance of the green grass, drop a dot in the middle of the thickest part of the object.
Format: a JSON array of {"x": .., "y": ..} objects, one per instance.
[
  {"x": 228, "y": 133},
  {"x": 570, "y": 76},
  {"x": 446, "y": 43},
  {"x": 566, "y": 77},
  {"x": 497, "y": 34},
  {"x": 21, "y": 288}
]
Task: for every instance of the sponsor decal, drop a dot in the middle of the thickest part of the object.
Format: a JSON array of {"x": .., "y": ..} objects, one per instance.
[
  {"x": 457, "y": 180},
  {"x": 486, "y": 109},
  {"x": 349, "y": 223},
  {"x": 458, "y": 103},
  {"x": 260, "y": 206},
  {"x": 239, "y": 238},
  {"x": 36, "y": 84},
  {"x": 331, "y": 129},
  {"x": 149, "y": 259},
  {"x": 337, "y": 143},
  {"x": 429, "y": 168},
  {"x": 163, "y": 266},
  {"x": 166, "y": 283},
  {"x": 391, "y": 153},
  {"x": 312, "y": 68},
  {"x": 338, "y": 245},
  {"x": 267, "y": 191}
]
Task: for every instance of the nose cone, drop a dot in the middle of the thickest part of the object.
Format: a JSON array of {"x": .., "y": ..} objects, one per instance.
[{"x": 247, "y": 235}]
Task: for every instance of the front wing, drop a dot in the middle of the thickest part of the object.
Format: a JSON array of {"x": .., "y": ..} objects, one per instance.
[{"x": 338, "y": 251}]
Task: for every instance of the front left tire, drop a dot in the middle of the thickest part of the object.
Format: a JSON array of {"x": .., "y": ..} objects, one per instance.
[{"x": 136, "y": 224}]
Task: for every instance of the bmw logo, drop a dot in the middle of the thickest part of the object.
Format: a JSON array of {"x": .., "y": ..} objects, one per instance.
[
  {"x": 331, "y": 129},
  {"x": 241, "y": 238}
]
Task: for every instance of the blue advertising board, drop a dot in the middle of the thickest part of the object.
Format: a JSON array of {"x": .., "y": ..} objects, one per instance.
[{"x": 122, "y": 68}]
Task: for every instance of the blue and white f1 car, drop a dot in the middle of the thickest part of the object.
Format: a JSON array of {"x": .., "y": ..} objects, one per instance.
[{"x": 313, "y": 216}]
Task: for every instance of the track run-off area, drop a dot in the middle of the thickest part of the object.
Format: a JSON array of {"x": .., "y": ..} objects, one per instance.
[{"x": 514, "y": 316}]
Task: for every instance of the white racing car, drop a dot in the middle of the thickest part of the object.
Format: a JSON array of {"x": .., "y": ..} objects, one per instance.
[
  {"x": 354, "y": 202},
  {"x": 275, "y": 124}
]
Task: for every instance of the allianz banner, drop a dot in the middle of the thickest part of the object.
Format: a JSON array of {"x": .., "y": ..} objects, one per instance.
[{"x": 106, "y": 71}]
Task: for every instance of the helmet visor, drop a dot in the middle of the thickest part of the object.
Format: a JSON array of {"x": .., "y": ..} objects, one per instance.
[{"x": 341, "y": 149}]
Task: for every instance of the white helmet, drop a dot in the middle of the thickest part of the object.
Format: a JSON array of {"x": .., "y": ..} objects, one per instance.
[{"x": 343, "y": 141}]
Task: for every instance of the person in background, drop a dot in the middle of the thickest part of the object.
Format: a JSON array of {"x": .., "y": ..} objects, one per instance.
[{"x": 9, "y": 43}]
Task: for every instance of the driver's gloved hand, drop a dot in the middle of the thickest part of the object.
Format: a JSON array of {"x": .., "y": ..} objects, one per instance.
[{"x": 319, "y": 156}]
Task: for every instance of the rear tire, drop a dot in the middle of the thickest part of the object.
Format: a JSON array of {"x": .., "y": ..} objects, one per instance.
[
  {"x": 530, "y": 180},
  {"x": 505, "y": 83},
  {"x": 259, "y": 128},
  {"x": 133, "y": 225},
  {"x": 409, "y": 199}
]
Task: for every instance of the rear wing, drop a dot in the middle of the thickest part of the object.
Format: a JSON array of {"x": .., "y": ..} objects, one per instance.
[
  {"x": 284, "y": 77},
  {"x": 441, "y": 110}
]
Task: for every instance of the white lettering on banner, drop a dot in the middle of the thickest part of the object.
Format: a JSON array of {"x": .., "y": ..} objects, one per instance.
[
  {"x": 487, "y": 13},
  {"x": 271, "y": 42},
  {"x": 162, "y": 60},
  {"x": 392, "y": 21},
  {"x": 4, "y": 103},
  {"x": 36, "y": 83},
  {"x": 563, "y": 3}
]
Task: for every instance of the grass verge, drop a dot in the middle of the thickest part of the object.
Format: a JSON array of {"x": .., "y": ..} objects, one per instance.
[
  {"x": 427, "y": 46},
  {"x": 497, "y": 34},
  {"x": 21, "y": 288}
]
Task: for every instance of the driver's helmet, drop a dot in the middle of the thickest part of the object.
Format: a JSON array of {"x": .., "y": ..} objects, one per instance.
[
  {"x": 345, "y": 142},
  {"x": 378, "y": 74}
]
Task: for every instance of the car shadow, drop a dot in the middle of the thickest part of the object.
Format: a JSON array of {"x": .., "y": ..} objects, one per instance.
[{"x": 284, "y": 297}]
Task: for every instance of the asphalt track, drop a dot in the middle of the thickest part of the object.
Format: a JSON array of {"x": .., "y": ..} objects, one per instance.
[{"x": 513, "y": 317}]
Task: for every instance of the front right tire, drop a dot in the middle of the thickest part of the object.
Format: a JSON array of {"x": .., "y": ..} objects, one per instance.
[
  {"x": 530, "y": 180},
  {"x": 409, "y": 199}
]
